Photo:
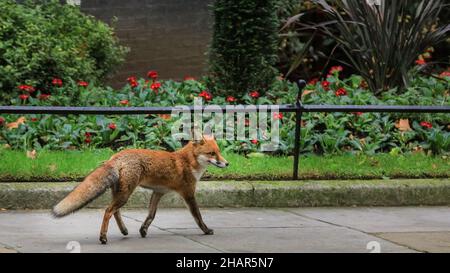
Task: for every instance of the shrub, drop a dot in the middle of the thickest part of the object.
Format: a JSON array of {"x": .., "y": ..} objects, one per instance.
[
  {"x": 383, "y": 42},
  {"x": 40, "y": 40},
  {"x": 303, "y": 54},
  {"x": 307, "y": 53},
  {"x": 244, "y": 46}
]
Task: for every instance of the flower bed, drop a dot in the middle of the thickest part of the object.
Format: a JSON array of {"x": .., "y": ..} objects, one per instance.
[{"x": 322, "y": 133}]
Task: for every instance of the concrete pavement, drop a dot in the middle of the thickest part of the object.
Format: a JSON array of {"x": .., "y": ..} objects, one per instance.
[{"x": 388, "y": 229}]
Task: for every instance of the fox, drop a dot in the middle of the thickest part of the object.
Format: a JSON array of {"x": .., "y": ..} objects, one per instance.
[{"x": 160, "y": 171}]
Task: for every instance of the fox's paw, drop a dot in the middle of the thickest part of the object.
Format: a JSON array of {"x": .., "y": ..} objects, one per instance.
[
  {"x": 143, "y": 232},
  {"x": 103, "y": 239},
  {"x": 124, "y": 231},
  {"x": 209, "y": 231}
]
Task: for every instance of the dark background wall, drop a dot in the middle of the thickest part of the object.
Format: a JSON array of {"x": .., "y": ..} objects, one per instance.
[{"x": 170, "y": 36}]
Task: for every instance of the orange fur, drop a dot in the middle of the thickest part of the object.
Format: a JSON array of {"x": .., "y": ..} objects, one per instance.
[{"x": 160, "y": 171}]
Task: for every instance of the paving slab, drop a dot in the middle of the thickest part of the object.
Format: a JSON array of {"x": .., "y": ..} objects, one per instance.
[
  {"x": 393, "y": 229},
  {"x": 28, "y": 231},
  {"x": 434, "y": 242},
  {"x": 227, "y": 218},
  {"x": 378, "y": 220},
  {"x": 292, "y": 240}
]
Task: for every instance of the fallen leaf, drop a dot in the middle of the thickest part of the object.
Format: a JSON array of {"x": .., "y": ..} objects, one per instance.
[
  {"x": 306, "y": 92},
  {"x": 16, "y": 124},
  {"x": 32, "y": 154},
  {"x": 403, "y": 125},
  {"x": 165, "y": 116}
]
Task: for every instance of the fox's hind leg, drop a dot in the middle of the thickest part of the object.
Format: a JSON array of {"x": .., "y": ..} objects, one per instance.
[
  {"x": 121, "y": 193},
  {"x": 154, "y": 200},
  {"x": 120, "y": 223},
  {"x": 110, "y": 211}
]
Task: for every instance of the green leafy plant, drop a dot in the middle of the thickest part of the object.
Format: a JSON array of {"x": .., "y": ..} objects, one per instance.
[
  {"x": 41, "y": 40},
  {"x": 244, "y": 46},
  {"x": 322, "y": 133},
  {"x": 382, "y": 42}
]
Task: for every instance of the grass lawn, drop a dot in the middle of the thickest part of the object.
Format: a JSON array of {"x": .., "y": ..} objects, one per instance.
[{"x": 74, "y": 165}]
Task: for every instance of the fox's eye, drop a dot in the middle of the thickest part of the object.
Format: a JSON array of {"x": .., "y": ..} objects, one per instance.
[{"x": 211, "y": 153}]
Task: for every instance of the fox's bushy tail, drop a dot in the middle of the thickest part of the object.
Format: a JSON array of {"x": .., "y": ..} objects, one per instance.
[{"x": 95, "y": 184}]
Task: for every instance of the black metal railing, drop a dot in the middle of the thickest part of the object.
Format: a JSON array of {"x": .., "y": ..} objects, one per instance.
[{"x": 297, "y": 108}]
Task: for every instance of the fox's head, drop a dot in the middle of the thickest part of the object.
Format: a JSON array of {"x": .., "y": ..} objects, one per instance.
[{"x": 207, "y": 152}]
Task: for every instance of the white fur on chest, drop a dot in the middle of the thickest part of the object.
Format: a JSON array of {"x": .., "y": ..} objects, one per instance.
[
  {"x": 198, "y": 173},
  {"x": 203, "y": 162}
]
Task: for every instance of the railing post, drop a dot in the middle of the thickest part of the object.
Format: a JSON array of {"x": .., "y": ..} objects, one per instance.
[{"x": 298, "y": 125}]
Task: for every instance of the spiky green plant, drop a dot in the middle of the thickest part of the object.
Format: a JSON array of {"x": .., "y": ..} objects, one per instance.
[{"x": 382, "y": 39}]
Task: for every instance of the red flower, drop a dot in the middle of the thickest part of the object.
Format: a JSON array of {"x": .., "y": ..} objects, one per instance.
[
  {"x": 2, "y": 121},
  {"x": 152, "y": 74},
  {"x": 278, "y": 116},
  {"x": 27, "y": 88},
  {"x": 44, "y": 96},
  {"x": 132, "y": 81},
  {"x": 335, "y": 69},
  {"x": 254, "y": 141},
  {"x": 189, "y": 78},
  {"x": 231, "y": 99},
  {"x": 246, "y": 122},
  {"x": 24, "y": 97},
  {"x": 87, "y": 136},
  {"x": 155, "y": 86},
  {"x": 445, "y": 74},
  {"x": 313, "y": 81},
  {"x": 426, "y": 124},
  {"x": 325, "y": 85},
  {"x": 206, "y": 95},
  {"x": 254, "y": 94},
  {"x": 421, "y": 62},
  {"x": 341, "y": 92},
  {"x": 83, "y": 84},
  {"x": 57, "y": 82},
  {"x": 124, "y": 102},
  {"x": 112, "y": 126},
  {"x": 357, "y": 113},
  {"x": 34, "y": 119}
]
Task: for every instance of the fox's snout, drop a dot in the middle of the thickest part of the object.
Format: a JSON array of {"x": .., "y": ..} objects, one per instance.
[{"x": 219, "y": 163}]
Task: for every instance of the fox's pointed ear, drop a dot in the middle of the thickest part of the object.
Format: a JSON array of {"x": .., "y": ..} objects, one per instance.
[
  {"x": 198, "y": 141},
  {"x": 197, "y": 136}
]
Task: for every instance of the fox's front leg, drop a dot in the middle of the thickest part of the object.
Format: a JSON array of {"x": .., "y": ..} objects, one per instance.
[
  {"x": 193, "y": 207},
  {"x": 154, "y": 200}
]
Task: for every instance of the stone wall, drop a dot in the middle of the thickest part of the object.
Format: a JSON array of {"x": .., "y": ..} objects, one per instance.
[{"x": 170, "y": 36}]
